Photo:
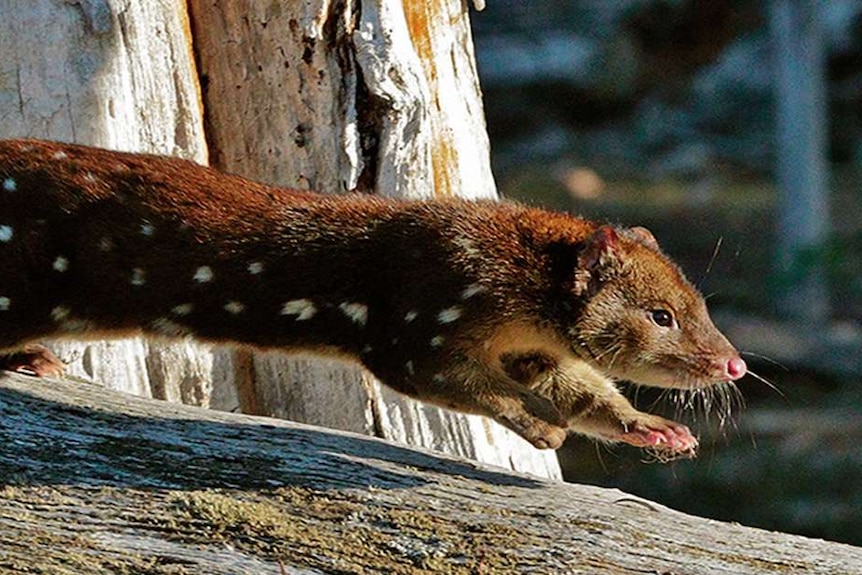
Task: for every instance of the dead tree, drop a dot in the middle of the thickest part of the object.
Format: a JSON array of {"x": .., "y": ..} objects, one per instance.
[{"x": 331, "y": 96}]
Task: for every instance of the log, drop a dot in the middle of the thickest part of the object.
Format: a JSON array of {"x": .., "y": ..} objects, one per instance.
[{"x": 96, "y": 481}]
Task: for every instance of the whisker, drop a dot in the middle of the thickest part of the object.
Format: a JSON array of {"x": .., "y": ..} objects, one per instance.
[
  {"x": 768, "y": 383},
  {"x": 614, "y": 357},
  {"x": 685, "y": 401},
  {"x": 737, "y": 400},
  {"x": 662, "y": 395},
  {"x": 711, "y": 260},
  {"x": 766, "y": 359},
  {"x": 598, "y": 445},
  {"x": 610, "y": 349},
  {"x": 637, "y": 392},
  {"x": 728, "y": 399},
  {"x": 720, "y": 401}
]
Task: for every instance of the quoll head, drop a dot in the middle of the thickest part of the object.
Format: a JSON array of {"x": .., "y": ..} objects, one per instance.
[{"x": 643, "y": 321}]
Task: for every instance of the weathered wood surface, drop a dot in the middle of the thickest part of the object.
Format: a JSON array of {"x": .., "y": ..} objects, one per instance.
[
  {"x": 284, "y": 103},
  {"x": 94, "y": 481}
]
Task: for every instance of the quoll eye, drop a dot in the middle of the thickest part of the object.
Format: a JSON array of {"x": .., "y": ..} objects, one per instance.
[{"x": 662, "y": 317}]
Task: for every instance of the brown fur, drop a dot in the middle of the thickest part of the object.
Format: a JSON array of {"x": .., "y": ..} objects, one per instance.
[{"x": 516, "y": 313}]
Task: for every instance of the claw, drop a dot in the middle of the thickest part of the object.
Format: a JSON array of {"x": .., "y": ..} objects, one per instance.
[{"x": 656, "y": 432}]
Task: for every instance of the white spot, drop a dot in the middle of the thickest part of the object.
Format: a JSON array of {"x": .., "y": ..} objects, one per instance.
[
  {"x": 367, "y": 349},
  {"x": 471, "y": 290},
  {"x": 106, "y": 244},
  {"x": 59, "y": 156},
  {"x": 61, "y": 264},
  {"x": 410, "y": 316},
  {"x": 255, "y": 268},
  {"x": 468, "y": 245},
  {"x": 147, "y": 229},
  {"x": 164, "y": 326},
  {"x": 182, "y": 309},
  {"x": 409, "y": 367},
  {"x": 439, "y": 378},
  {"x": 5, "y": 302},
  {"x": 449, "y": 314},
  {"x": 10, "y": 185},
  {"x": 204, "y": 274},
  {"x": 358, "y": 312},
  {"x": 139, "y": 277},
  {"x": 303, "y": 309},
  {"x": 6, "y": 233},
  {"x": 76, "y": 325},
  {"x": 437, "y": 341},
  {"x": 60, "y": 313},
  {"x": 234, "y": 307},
  {"x": 90, "y": 178}
]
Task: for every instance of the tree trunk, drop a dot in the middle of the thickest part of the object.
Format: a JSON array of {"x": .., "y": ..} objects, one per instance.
[
  {"x": 119, "y": 75},
  {"x": 98, "y": 482},
  {"x": 802, "y": 169},
  {"x": 318, "y": 95}
]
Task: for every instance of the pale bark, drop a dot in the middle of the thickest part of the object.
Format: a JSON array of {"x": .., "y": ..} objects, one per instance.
[
  {"x": 119, "y": 75},
  {"x": 94, "y": 481}
]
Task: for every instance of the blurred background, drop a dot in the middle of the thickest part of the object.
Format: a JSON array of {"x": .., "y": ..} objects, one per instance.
[{"x": 733, "y": 130}]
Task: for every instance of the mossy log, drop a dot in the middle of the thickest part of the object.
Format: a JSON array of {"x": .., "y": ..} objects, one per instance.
[{"x": 96, "y": 481}]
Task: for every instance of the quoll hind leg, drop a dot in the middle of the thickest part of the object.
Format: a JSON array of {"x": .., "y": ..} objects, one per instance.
[
  {"x": 32, "y": 359},
  {"x": 474, "y": 389},
  {"x": 592, "y": 405}
]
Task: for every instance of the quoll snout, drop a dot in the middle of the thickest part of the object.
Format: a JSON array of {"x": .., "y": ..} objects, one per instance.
[{"x": 735, "y": 368}]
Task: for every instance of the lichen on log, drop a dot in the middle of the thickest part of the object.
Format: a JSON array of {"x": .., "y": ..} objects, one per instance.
[{"x": 98, "y": 481}]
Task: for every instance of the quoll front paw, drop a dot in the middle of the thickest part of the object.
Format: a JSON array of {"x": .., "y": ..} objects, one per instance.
[
  {"x": 658, "y": 433},
  {"x": 33, "y": 359}
]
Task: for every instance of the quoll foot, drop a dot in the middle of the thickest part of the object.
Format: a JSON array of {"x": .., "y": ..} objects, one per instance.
[
  {"x": 536, "y": 425},
  {"x": 545, "y": 436},
  {"x": 33, "y": 359},
  {"x": 658, "y": 433}
]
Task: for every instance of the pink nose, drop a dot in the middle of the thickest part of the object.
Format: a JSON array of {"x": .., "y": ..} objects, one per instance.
[{"x": 736, "y": 368}]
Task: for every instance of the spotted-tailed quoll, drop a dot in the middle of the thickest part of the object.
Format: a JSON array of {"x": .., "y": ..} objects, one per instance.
[{"x": 520, "y": 314}]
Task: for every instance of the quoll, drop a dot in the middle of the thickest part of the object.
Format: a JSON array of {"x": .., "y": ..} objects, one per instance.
[{"x": 520, "y": 314}]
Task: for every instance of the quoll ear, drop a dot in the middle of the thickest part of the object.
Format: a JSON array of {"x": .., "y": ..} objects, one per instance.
[
  {"x": 601, "y": 250},
  {"x": 598, "y": 259},
  {"x": 645, "y": 236}
]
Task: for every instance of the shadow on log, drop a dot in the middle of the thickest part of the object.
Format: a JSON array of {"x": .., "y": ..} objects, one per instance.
[{"x": 94, "y": 481}]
